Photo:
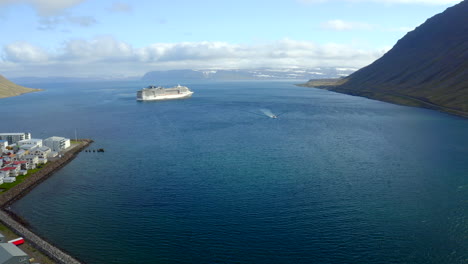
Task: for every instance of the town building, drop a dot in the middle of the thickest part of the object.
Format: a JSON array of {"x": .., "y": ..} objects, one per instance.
[
  {"x": 3, "y": 145},
  {"x": 12, "y": 138},
  {"x": 33, "y": 142},
  {"x": 11, "y": 254},
  {"x": 30, "y": 162},
  {"x": 19, "y": 153},
  {"x": 11, "y": 171},
  {"x": 26, "y": 147},
  {"x": 9, "y": 179},
  {"x": 41, "y": 152},
  {"x": 57, "y": 143}
]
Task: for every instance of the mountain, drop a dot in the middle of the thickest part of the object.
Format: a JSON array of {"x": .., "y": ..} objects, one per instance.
[
  {"x": 428, "y": 67},
  {"x": 30, "y": 80},
  {"x": 8, "y": 89},
  {"x": 247, "y": 74}
]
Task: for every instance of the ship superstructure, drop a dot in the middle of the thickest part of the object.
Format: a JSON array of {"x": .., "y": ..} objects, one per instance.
[{"x": 153, "y": 93}]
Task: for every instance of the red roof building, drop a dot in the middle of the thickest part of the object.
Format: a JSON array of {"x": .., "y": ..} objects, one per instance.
[{"x": 8, "y": 168}]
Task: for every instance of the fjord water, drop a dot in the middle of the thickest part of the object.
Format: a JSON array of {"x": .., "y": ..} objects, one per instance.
[{"x": 211, "y": 179}]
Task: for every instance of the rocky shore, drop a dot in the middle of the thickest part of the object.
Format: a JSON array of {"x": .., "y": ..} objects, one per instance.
[{"x": 17, "y": 192}]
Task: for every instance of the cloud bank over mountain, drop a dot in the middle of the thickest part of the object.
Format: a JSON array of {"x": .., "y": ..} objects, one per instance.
[
  {"x": 112, "y": 56},
  {"x": 122, "y": 37}
]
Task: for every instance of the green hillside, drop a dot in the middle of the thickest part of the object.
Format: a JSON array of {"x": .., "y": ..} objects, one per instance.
[
  {"x": 8, "y": 89},
  {"x": 428, "y": 67}
]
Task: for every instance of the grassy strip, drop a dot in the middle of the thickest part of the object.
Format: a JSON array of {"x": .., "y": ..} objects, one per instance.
[{"x": 8, "y": 185}]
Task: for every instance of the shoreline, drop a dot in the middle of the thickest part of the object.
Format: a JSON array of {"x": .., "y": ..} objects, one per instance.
[
  {"x": 21, "y": 93},
  {"x": 11, "y": 89},
  {"x": 18, "y": 225},
  {"x": 385, "y": 96}
]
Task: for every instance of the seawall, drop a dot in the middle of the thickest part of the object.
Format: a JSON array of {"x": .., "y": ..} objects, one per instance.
[{"x": 18, "y": 191}]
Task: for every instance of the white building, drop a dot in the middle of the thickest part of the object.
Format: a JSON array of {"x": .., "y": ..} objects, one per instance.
[
  {"x": 20, "y": 154},
  {"x": 34, "y": 142},
  {"x": 12, "y": 138},
  {"x": 9, "y": 179},
  {"x": 26, "y": 147},
  {"x": 32, "y": 161},
  {"x": 3, "y": 145},
  {"x": 41, "y": 152},
  {"x": 57, "y": 143},
  {"x": 11, "y": 171}
]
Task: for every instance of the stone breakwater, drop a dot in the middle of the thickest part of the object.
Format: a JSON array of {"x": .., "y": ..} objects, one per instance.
[
  {"x": 39, "y": 243},
  {"x": 26, "y": 186}
]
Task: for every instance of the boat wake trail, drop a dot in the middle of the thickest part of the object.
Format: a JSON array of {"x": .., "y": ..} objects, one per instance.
[{"x": 268, "y": 113}]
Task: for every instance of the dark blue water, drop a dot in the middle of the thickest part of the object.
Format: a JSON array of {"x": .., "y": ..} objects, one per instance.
[{"x": 335, "y": 179}]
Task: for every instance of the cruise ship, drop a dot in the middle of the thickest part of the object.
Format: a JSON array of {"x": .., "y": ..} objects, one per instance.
[{"x": 154, "y": 93}]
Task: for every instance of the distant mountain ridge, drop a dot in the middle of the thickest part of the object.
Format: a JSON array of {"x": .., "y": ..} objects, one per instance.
[
  {"x": 60, "y": 79},
  {"x": 8, "y": 88},
  {"x": 248, "y": 74},
  {"x": 427, "y": 67}
]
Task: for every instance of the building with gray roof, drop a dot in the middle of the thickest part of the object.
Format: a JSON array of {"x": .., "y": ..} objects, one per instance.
[{"x": 11, "y": 254}]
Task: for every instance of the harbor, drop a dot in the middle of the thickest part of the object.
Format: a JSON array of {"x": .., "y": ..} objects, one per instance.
[{"x": 16, "y": 224}]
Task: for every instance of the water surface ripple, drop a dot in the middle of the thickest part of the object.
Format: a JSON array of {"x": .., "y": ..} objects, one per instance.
[{"x": 212, "y": 179}]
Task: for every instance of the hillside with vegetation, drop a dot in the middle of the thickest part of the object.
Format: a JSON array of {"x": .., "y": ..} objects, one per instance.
[
  {"x": 8, "y": 88},
  {"x": 428, "y": 67}
]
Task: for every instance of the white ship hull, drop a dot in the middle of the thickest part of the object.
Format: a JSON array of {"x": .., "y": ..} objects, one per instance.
[
  {"x": 153, "y": 93},
  {"x": 166, "y": 97}
]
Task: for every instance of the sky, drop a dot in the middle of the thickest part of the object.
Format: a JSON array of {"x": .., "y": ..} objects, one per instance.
[{"x": 107, "y": 38}]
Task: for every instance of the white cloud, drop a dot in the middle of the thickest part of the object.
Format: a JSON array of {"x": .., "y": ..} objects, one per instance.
[
  {"x": 45, "y": 7},
  {"x": 120, "y": 7},
  {"x": 103, "y": 48},
  {"x": 428, "y": 2},
  {"x": 106, "y": 55},
  {"x": 341, "y": 25},
  {"x": 23, "y": 52},
  {"x": 83, "y": 21},
  {"x": 52, "y": 22},
  {"x": 52, "y": 13}
]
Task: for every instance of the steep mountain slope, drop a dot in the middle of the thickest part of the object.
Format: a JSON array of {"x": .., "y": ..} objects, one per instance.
[
  {"x": 427, "y": 67},
  {"x": 7, "y": 88}
]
